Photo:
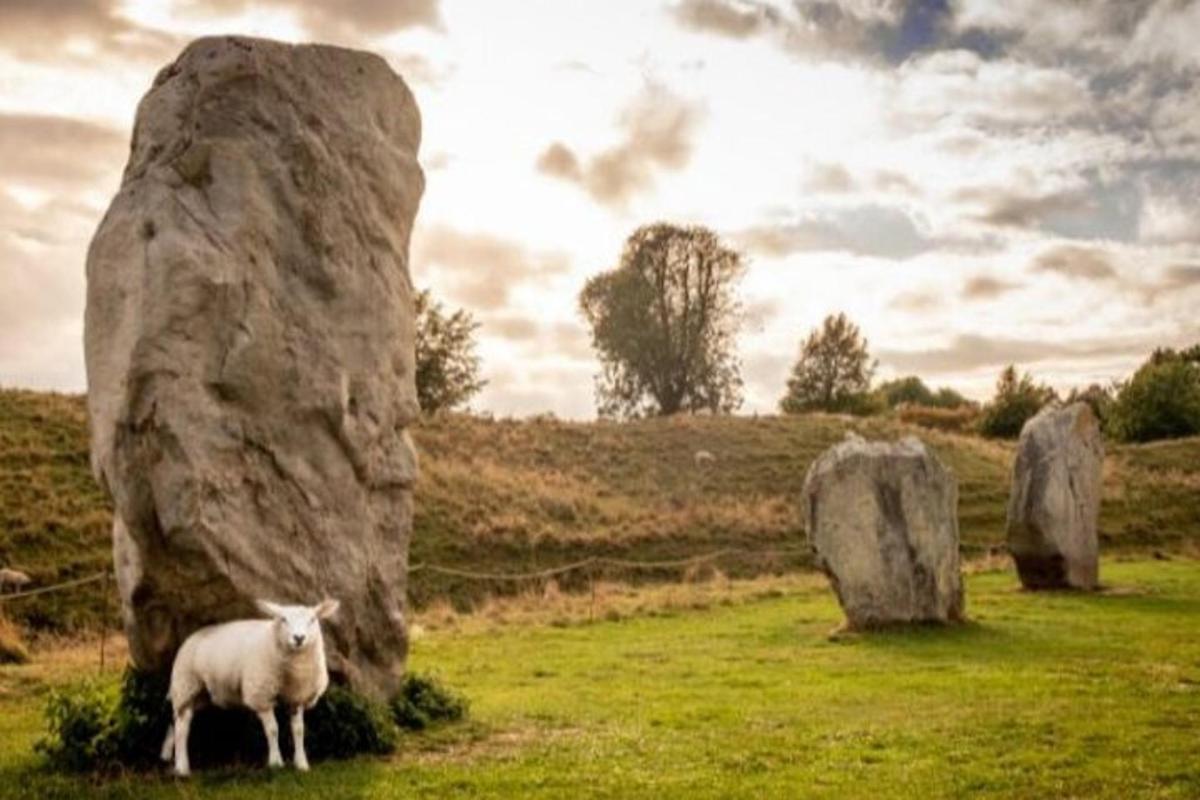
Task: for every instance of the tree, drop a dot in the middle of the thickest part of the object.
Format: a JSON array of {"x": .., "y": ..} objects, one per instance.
[
  {"x": 1099, "y": 398},
  {"x": 1017, "y": 399},
  {"x": 911, "y": 390},
  {"x": 663, "y": 324},
  {"x": 447, "y": 366},
  {"x": 1161, "y": 400},
  {"x": 833, "y": 372}
]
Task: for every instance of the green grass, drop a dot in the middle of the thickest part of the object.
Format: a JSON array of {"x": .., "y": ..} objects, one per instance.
[
  {"x": 510, "y": 495},
  {"x": 1043, "y": 695}
]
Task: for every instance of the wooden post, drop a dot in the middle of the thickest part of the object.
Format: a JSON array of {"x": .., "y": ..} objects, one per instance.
[
  {"x": 592, "y": 582},
  {"x": 103, "y": 616}
]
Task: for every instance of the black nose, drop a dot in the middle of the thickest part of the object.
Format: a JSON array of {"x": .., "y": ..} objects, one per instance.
[{"x": 298, "y": 639}]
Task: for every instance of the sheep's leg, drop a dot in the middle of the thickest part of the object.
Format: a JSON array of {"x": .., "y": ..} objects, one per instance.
[
  {"x": 183, "y": 723},
  {"x": 271, "y": 729},
  {"x": 168, "y": 746},
  {"x": 298, "y": 738}
]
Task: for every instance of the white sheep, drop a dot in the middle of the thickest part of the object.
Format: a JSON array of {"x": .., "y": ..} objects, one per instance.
[
  {"x": 14, "y": 579},
  {"x": 254, "y": 663},
  {"x": 703, "y": 458}
]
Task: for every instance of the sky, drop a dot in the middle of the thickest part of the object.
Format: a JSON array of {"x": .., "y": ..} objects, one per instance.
[{"x": 973, "y": 182}]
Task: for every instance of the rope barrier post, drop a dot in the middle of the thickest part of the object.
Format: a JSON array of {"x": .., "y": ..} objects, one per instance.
[
  {"x": 103, "y": 617},
  {"x": 592, "y": 585}
]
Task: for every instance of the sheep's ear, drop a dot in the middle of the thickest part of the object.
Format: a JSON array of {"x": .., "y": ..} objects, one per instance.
[
  {"x": 327, "y": 608},
  {"x": 269, "y": 608}
]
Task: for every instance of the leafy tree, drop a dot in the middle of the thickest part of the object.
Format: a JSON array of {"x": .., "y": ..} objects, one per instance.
[
  {"x": 663, "y": 324},
  {"x": 945, "y": 397},
  {"x": 1017, "y": 399},
  {"x": 1100, "y": 398},
  {"x": 911, "y": 390},
  {"x": 447, "y": 366},
  {"x": 1161, "y": 400},
  {"x": 833, "y": 372}
]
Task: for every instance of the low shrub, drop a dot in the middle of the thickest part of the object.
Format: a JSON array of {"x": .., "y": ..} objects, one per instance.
[
  {"x": 92, "y": 727},
  {"x": 954, "y": 420},
  {"x": 423, "y": 701}
]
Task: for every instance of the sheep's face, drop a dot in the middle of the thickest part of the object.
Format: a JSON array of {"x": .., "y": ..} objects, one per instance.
[{"x": 297, "y": 627}]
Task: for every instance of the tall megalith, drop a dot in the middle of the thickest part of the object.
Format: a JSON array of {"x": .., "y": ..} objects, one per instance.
[
  {"x": 249, "y": 347},
  {"x": 1054, "y": 506},
  {"x": 882, "y": 520}
]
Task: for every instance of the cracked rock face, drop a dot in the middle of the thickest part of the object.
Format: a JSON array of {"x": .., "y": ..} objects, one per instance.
[
  {"x": 882, "y": 521},
  {"x": 1055, "y": 501},
  {"x": 249, "y": 346}
]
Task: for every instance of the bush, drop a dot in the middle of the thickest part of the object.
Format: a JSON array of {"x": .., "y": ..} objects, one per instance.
[
  {"x": 1160, "y": 401},
  {"x": 954, "y": 420},
  {"x": 93, "y": 728},
  {"x": 1017, "y": 400},
  {"x": 424, "y": 701},
  {"x": 82, "y": 730},
  {"x": 345, "y": 724}
]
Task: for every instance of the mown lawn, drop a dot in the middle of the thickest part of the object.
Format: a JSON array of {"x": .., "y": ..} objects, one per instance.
[{"x": 1059, "y": 695}]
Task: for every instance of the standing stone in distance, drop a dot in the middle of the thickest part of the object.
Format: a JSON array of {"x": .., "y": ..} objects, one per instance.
[
  {"x": 249, "y": 346},
  {"x": 1055, "y": 501},
  {"x": 882, "y": 520}
]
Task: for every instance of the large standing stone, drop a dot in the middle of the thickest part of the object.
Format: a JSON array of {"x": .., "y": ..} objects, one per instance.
[
  {"x": 1055, "y": 500},
  {"x": 249, "y": 344},
  {"x": 882, "y": 519}
]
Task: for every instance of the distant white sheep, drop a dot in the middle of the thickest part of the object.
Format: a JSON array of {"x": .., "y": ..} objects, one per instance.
[
  {"x": 254, "y": 663},
  {"x": 13, "y": 579},
  {"x": 703, "y": 458}
]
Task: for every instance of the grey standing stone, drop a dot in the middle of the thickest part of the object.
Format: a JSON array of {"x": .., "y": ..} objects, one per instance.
[
  {"x": 249, "y": 347},
  {"x": 882, "y": 520},
  {"x": 1055, "y": 502}
]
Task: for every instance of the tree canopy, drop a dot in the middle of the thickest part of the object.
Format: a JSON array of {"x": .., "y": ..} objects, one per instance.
[
  {"x": 664, "y": 323},
  {"x": 447, "y": 366},
  {"x": 833, "y": 371}
]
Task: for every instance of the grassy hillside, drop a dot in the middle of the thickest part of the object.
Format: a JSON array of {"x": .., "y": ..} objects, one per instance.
[
  {"x": 1043, "y": 695},
  {"x": 519, "y": 495}
]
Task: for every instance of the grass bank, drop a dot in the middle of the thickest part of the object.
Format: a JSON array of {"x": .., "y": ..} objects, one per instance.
[
  {"x": 1043, "y": 695},
  {"x": 508, "y": 495}
]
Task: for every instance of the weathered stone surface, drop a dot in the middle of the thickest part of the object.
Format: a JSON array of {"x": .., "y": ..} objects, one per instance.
[
  {"x": 882, "y": 519},
  {"x": 249, "y": 345},
  {"x": 1055, "y": 501}
]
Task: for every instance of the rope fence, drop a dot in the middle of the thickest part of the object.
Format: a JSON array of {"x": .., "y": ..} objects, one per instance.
[{"x": 590, "y": 565}]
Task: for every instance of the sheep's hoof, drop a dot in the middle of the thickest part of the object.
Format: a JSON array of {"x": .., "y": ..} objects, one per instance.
[
  {"x": 302, "y": 766},
  {"x": 182, "y": 773},
  {"x": 275, "y": 763}
]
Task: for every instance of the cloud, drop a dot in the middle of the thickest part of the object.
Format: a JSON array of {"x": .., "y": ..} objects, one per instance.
[
  {"x": 1005, "y": 208},
  {"x": 659, "y": 128},
  {"x": 351, "y": 19},
  {"x": 880, "y": 231},
  {"x": 558, "y": 161},
  {"x": 1082, "y": 263},
  {"x": 480, "y": 269},
  {"x": 1169, "y": 213},
  {"x": 916, "y": 301},
  {"x": 40, "y": 30},
  {"x": 58, "y": 153},
  {"x": 972, "y": 352},
  {"x": 985, "y": 287},
  {"x": 829, "y": 179},
  {"x": 1181, "y": 276},
  {"x": 736, "y": 20}
]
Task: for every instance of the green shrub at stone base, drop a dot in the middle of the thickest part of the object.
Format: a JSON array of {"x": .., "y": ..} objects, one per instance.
[
  {"x": 424, "y": 701},
  {"x": 93, "y": 727}
]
